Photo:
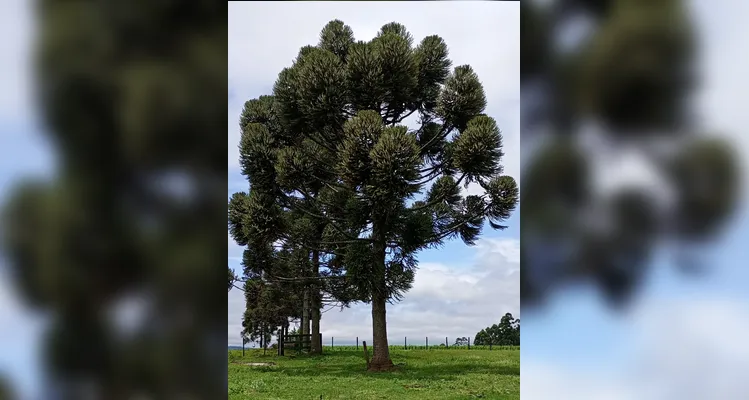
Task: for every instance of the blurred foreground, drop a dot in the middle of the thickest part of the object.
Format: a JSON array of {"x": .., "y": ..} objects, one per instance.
[
  {"x": 632, "y": 180},
  {"x": 115, "y": 248}
]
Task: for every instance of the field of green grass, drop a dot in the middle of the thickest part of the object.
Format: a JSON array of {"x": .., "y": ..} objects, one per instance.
[{"x": 340, "y": 373}]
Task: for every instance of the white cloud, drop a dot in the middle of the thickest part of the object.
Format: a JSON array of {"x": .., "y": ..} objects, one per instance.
[
  {"x": 444, "y": 301},
  {"x": 265, "y": 37},
  {"x": 685, "y": 349}
]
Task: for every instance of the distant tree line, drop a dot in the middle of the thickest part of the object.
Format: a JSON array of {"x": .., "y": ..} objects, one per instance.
[{"x": 506, "y": 333}]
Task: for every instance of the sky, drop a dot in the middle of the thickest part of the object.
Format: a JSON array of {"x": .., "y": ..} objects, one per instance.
[
  {"x": 458, "y": 290},
  {"x": 23, "y": 151}
]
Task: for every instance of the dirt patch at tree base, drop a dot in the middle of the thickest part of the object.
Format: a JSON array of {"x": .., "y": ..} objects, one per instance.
[{"x": 256, "y": 364}]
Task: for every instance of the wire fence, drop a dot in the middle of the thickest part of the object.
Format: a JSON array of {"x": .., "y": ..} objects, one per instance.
[
  {"x": 298, "y": 343},
  {"x": 422, "y": 343}
]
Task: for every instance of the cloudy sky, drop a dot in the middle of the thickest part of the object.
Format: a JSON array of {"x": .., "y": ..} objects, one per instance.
[{"x": 458, "y": 290}]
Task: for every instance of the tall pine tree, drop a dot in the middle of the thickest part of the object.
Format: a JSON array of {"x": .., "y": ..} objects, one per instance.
[{"x": 329, "y": 144}]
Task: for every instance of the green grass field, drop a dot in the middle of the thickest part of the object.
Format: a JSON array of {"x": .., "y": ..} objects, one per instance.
[{"x": 340, "y": 373}]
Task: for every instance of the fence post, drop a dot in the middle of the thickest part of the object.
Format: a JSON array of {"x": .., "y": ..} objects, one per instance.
[
  {"x": 446, "y": 345},
  {"x": 366, "y": 355},
  {"x": 357, "y": 343},
  {"x": 331, "y": 342},
  {"x": 469, "y": 343},
  {"x": 427, "y": 342},
  {"x": 405, "y": 342},
  {"x": 320, "y": 342}
]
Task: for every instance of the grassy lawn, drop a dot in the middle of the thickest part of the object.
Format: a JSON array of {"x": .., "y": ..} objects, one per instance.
[{"x": 341, "y": 374}]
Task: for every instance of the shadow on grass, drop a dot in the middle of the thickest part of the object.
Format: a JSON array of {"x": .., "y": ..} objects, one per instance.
[{"x": 417, "y": 365}]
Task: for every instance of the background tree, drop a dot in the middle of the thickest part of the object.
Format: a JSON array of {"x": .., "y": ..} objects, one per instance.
[
  {"x": 509, "y": 330},
  {"x": 461, "y": 341},
  {"x": 481, "y": 338},
  {"x": 291, "y": 272},
  {"x": 506, "y": 333},
  {"x": 329, "y": 145},
  {"x": 232, "y": 278}
]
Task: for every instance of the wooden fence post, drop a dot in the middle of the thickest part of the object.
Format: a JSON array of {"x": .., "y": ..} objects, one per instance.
[
  {"x": 427, "y": 342},
  {"x": 320, "y": 339},
  {"x": 469, "y": 343},
  {"x": 446, "y": 345},
  {"x": 405, "y": 343},
  {"x": 366, "y": 355},
  {"x": 331, "y": 342},
  {"x": 357, "y": 343}
]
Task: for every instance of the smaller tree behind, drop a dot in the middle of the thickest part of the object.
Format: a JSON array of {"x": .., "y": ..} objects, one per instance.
[{"x": 506, "y": 333}]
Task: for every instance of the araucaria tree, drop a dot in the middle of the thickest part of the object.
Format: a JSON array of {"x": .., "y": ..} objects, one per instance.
[{"x": 329, "y": 145}]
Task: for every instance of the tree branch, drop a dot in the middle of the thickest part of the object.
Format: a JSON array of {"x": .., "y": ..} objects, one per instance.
[
  {"x": 443, "y": 134},
  {"x": 439, "y": 200}
]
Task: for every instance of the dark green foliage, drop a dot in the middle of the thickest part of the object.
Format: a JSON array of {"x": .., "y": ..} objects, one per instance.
[
  {"x": 431, "y": 55},
  {"x": 238, "y": 210},
  {"x": 478, "y": 149},
  {"x": 462, "y": 98},
  {"x": 336, "y": 38},
  {"x": 635, "y": 73},
  {"x": 506, "y": 333},
  {"x": 705, "y": 173}
]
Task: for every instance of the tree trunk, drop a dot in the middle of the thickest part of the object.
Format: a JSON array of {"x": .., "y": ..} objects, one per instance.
[
  {"x": 381, "y": 352},
  {"x": 315, "y": 307},
  {"x": 305, "y": 312},
  {"x": 262, "y": 335},
  {"x": 315, "y": 331}
]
